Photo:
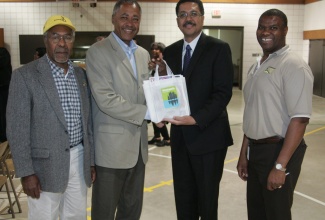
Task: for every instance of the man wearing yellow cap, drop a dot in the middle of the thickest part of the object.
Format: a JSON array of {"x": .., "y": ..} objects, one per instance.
[{"x": 49, "y": 128}]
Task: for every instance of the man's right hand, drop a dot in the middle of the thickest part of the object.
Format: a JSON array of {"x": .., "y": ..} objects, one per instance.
[
  {"x": 31, "y": 186},
  {"x": 242, "y": 167}
]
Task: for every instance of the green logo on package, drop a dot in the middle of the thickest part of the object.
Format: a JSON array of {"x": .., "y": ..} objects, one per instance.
[{"x": 170, "y": 97}]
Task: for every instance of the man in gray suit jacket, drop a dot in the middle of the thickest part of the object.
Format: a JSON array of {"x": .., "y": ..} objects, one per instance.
[
  {"x": 50, "y": 128},
  {"x": 116, "y": 69}
]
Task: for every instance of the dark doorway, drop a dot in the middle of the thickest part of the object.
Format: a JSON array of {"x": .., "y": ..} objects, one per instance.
[
  {"x": 317, "y": 65},
  {"x": 234, "y": 36}
]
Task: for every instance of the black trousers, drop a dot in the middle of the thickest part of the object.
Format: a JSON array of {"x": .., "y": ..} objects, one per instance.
[
  {"x": 196, "y": 183},
  {"x": 163, "y": 131},
  {"x": 118, "y": 193},
  {"x": 265, "y": 204}
]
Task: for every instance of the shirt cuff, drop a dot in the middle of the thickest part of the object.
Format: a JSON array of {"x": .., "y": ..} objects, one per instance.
[{"x": 147, "y": 116}]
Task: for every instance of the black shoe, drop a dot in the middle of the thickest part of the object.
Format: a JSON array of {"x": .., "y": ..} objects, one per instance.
[
  {"x": 163, "y": 143},
  {"x": 154, "y": 140}
]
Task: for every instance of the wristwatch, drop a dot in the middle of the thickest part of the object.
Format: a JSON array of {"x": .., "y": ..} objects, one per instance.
[{"x": 279, "y": 166}]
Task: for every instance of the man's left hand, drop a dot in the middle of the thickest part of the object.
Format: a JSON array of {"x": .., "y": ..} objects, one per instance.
[{"x": 276, "y": 179}]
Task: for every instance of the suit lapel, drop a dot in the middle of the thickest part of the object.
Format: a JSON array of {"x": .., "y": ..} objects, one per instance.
[
  {"x": 83, "y": 91},
  {"x": 178, "y": 57},
  {"x": 121, "y": 54},
  {"x": 196, "y": 55},
  {"x": 47, "y": 81}
]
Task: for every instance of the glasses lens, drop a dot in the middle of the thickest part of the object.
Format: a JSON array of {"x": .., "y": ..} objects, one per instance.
[
  {"x": 68, "y": 38},
  {"x": 55, "y": 38},
  {"x": 182, "y": 15},
  {"x": 194, "y": 14}
]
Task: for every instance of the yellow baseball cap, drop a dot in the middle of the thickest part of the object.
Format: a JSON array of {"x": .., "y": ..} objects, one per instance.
[{"x": 57, "y": 20}]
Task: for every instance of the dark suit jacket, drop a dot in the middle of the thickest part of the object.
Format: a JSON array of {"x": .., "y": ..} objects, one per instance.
[
  {"x": 37, "y": 130},
  {"x": 209, "y": 80}
]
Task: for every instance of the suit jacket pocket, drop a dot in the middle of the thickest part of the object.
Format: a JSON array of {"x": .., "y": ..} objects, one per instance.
[{"x": 40, "y": 153}]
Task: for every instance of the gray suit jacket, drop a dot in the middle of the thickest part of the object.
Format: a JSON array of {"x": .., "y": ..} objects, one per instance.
[
  {"x": 118, "y": 105},
  {"x": 37, "y": 130}
]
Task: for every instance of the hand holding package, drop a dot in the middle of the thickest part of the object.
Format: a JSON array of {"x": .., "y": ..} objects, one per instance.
[{"x": 166, "y": 96}]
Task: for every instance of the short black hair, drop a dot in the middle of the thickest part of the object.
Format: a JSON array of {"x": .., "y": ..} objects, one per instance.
[
  {"x": 160, "y": 46},
  {"x": 277, "y": 13},
  {"x": 198, "y": 2}
]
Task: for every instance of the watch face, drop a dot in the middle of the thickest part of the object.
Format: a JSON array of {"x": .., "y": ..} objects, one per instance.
[{"x": 278, "y": 166}]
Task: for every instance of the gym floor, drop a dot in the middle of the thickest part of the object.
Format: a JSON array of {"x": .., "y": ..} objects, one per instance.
[{"x": 309, "y": 197}]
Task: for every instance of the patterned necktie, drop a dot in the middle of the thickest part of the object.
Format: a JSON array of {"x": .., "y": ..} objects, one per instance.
[{"x": 187, "y": 58}]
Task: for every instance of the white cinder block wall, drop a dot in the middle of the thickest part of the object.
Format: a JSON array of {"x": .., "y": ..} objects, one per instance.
[{"x": 158, "y": 19}]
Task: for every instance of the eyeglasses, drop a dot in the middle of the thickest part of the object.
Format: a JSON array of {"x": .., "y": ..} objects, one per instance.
[
  {"x": 56, "y": 38},
  {"x": 192, "y": 14}
]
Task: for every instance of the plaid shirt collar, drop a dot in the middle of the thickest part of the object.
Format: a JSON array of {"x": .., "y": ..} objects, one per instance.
[{"x": 56, "y": 70}]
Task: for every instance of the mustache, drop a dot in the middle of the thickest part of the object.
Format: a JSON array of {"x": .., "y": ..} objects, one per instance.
[{"x": 188, "y": 22}]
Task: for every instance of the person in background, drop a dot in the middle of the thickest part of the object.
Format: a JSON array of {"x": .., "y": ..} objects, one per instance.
[
  {"x": 116, "y": 69},
  {"x": 157, "y": 49},
  {"x": 49, "y": 128},
  {"x": 278, "y": 97},
  {"x": 99, "y": 38},
  {"x": 199, "y": 142},
  {"x": 39, "y": 52},
  {"x": 5, "y": 76}
]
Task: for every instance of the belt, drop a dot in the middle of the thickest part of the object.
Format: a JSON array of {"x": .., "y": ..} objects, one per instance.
[
  {"x": 269, "y": 140},
  {"x": 72, "y": 146}
]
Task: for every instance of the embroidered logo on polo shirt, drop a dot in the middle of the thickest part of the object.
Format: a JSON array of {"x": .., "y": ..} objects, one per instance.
[{"x": 269, "y": 70}]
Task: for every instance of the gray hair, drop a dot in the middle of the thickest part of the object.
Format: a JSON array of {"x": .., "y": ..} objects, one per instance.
[
  {"x": 160, "y": 46},
  {"x": 118, "y": 4}
]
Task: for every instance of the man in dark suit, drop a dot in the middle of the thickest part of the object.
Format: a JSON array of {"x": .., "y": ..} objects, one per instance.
[
  {"x": 50, "y": 128},
  {"x": 199, "y": 142}
]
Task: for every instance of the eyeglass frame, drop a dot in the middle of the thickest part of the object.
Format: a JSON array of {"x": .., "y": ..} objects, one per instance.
[
  {"x": 60, "y": 37},
  {"x": 192, "y": 14}
]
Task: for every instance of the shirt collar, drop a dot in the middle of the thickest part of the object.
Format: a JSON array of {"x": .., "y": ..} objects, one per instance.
[
  {"x": 193, "y": 43},
  {"x": 57, "y": 70},
  {"x": 276, "y": 53},
  {"x": 126, "y": 48},
  {"x": 280, "y": 51}
]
